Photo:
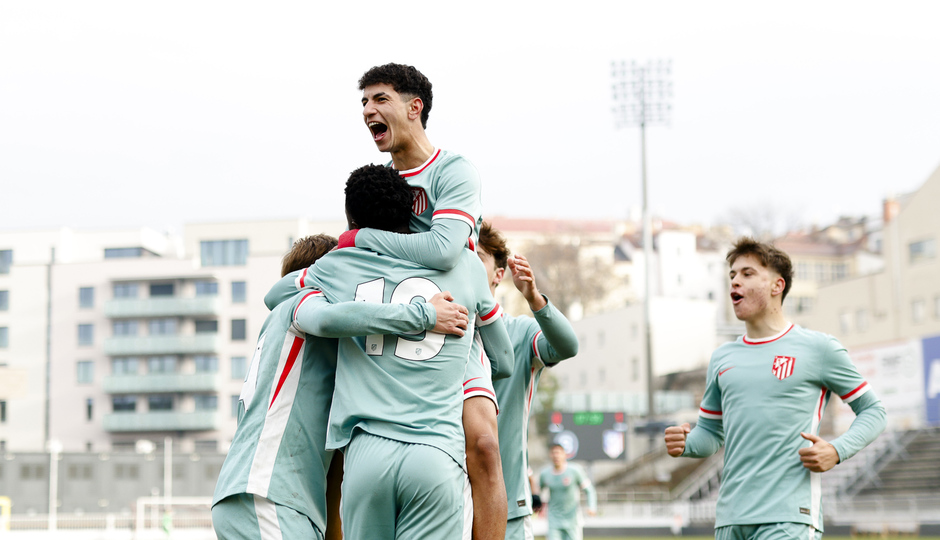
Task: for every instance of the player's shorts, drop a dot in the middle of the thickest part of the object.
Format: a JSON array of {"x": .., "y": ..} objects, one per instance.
[
  {"x": 478, "y": 379},
  {"x": 569, "y": 531},
  {"x": 415, "y": 490},
  {"x": 769, "y": 531},
  {"x": 520, "y": 528},
  {"x": 249, "y": 517}
]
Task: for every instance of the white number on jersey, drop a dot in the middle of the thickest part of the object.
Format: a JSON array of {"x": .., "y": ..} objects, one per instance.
[
  {"x": 423, "y": 348},
  {"x": 251, "y": 379}
]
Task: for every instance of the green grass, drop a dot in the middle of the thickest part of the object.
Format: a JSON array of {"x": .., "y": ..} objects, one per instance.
[{"x": 825, "y": 537}]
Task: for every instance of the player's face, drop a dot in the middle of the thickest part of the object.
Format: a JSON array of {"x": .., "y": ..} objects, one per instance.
[
  {"x": 558, "y": 456},
  {"x": 752, "y": 287},
  {"x": 386, "y": 114},
  {"x": 493, "y": 275}
]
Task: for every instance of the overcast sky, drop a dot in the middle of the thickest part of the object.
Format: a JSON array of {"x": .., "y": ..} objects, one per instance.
[{"x": 132, "y": 113}]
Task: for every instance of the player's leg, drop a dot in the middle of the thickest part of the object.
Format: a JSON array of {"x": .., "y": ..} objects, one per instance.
[
  {"x": 485, "y": 469},
  {"x": 334, "y": 483},
  {"x": 430, "y": 487},
  {"x": 250, "y": 517},
  {"x": 520, "y": 528},
  {"x": 368, "y": 508}
]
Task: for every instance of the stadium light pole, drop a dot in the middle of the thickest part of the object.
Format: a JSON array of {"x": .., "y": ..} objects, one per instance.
[{"x": 641, "y": 95}]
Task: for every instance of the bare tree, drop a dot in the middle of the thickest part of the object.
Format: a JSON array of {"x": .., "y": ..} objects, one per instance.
[
  {"x": 567, "y": 276},
  {"x": 763, "y": 220}
]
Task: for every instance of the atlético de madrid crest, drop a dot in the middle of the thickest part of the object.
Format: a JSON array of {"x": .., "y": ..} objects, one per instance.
[
  {"x": 783, "y": 366},
  {"x": 419, "y": 201}
]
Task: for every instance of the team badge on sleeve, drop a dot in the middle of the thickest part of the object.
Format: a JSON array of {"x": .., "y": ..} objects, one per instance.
[
  {"x": 783, "y": 366},
  {"x": 419, "y": 201}
]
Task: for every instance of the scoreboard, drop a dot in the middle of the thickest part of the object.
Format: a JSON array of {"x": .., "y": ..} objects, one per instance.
[{"x": 590, "y": 435}]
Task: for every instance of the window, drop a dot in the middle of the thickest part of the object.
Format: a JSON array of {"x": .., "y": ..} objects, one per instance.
[
  {"x": 3, "y": 412},
  {"x": 238, "y": 329},
  {"x": 161, "y": 402},
  {"x": 125, "y": 328},
  {"x": 4, "y": 300},
  {"x": 33, "y": 472},
  {"x": 86, "y": 334},
  {"x": 839, "y": 271},
  {"x": 206, "y": 402},
  {"x": 122, "y": 471},
  {"x": 4, "y": 337},
  {"x": 162, "y": 327},
  {"x": 207, "y": 364},
  {"x": 922, "y": 251},
  {"x": 918, "y": 310},
  {"x": 161, "y": 364},
  {"x": 85, "y": 372},
  {"x": 635, "y": 372},
  {"x": 86, "y": 297},
  {"x": 239, "y": 292},
  {"x": 161, "y": 289},
  {"x": 124, "y": 366},
  {"x": 600, "y": 338},
  {"x": 125, "y": 290},
  {"x": 207, "y": 288},
  {"x": 820, "y": 272},
  {"x": 79, "y": 472},
  {"x": 861, "y": 320},
  {"x": 124, "y": 403},
  {"x": 223, "y": 252},
  {"x": 802, "y": 271},
  {"x": 239, "y": 367},
  {"x": 803, "y": 304},
  {"x": 235, "y": 401},
  {"x": 89, "y": 409},
  {"x": 845, "y": 322},
  {"x": 123, "y": 253},
  {"x": 6, "y": 260}
]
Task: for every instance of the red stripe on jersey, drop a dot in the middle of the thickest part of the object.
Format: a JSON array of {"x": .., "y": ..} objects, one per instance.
[
  {"x": 303, "y": 276},
  {"x": 306, "y": 296},
  {"x": 479, "y": 389},
  {"x": 468, "y": 380},
  {"x": 459, "y": 213},
  {"x": 426, "y": 165},
  {"x": 854, "y": 391},
  {"x": 769, "y": 340},
  {"x": 822, "y": 398},
  {"x": 491, "y": 314},
  {"x": 291, "y": 359},
  {"x": 706, "y": 411},
  {"x": 471, "y": 245},
  {"x": 535, "y": 344}
]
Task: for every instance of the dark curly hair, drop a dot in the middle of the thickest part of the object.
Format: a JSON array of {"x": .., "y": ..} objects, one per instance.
[
  {"x": 405, "y": 80},
  {"x": 378, "y": 197},
  {"x": 769, "y": 256}
]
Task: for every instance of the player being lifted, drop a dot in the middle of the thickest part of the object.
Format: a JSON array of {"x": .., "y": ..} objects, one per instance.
[
  {"x": 394, "y": 410},
  {"x": 273, "y": 483},
  {"x": 538, "y": 342},
  {"x": 765, "y": 394}
]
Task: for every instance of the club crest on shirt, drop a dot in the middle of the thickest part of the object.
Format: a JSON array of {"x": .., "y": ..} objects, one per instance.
[
  {"x": 419, "y": 201},
  {"x": 566, "y": 481},
  {"x": 783, "y": 366}
]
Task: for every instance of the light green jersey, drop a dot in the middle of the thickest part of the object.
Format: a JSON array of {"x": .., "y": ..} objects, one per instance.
[
  {"x": 407, "y": 388},
  {"x": 278, "y": 451},
  {"x": 537, "y": 342},
  {"x": 564, "y": 490},
  {"x": 759, "y": 396}
]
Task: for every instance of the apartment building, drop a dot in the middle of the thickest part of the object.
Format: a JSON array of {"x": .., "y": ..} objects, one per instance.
[{"x": 108, "y": 338}]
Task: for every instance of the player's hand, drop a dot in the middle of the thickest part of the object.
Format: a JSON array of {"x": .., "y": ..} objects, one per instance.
[
  {"x": 675, "y": 439},
  {"x": 591, "y": 513},
  {"x": 536, "y": 503},
  {"x": 524, "y": 279},
  {"x": 451, "y": 318},
  {"x": 820, "y": 457}
]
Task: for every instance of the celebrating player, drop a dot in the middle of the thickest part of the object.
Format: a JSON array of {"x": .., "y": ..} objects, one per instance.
[
  {"x": 564, "y": 482},
  {"x": 764, "y": 398},
  {"x": 537, "y": 342},
  {"x": 394, "y": 409},
  {"x": 273, "y": 483}
]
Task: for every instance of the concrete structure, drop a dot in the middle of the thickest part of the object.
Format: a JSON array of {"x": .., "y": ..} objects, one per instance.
[{"x": 142, "y": 335}]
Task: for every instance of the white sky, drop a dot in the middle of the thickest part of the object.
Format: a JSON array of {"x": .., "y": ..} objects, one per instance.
[{"x": 133, "y": 113}]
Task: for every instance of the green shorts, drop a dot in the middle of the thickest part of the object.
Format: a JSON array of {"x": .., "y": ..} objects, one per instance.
[
  {"x": 520, "y": 528},
  {"x": 250, "y": 517},
  {"x": 768, "y": 531},
  {"x": 393, "y": 489}
]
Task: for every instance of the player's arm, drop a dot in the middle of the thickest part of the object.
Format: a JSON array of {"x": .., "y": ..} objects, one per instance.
[
  {"x": 498, "y": 347},
  {"x": 841, "y": 376},
  {"x": 557, "y": 340},
  {"x": 286, "y": 288},
  {"x": 708, "y": 434},
  {"x": 588, "y": 487},
  {"x": 315, "y": 315}
]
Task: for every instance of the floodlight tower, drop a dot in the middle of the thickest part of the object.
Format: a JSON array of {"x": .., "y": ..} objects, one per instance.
[{"x": 641, "y": 95}]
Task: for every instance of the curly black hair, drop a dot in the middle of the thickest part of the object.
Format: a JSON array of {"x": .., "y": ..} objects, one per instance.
[
  {"x": 377, "y": 197},
  {"x": 405, "y": 80}
]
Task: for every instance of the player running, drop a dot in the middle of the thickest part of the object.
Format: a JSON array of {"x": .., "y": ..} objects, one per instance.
[
  {"x": 538, "y": 342},
  {"x": 273, "y": 483},
  {"x": 765, "y": 394},
  {"x": 564, "y": 482}
]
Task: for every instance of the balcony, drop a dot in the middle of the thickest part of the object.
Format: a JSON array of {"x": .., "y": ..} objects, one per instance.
[
  {"x": 162, "y": 307},
  {"x": 161, "y": 421},
  {"x": 161, "y": 383},
  {"x": 149, "y": 345}
]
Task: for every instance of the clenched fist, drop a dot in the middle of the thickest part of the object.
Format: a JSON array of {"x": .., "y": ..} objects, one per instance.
[{"x": 675, "y": 439}]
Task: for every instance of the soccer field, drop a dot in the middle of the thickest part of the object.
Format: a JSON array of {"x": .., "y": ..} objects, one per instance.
[{"x": 908, "y": 537}]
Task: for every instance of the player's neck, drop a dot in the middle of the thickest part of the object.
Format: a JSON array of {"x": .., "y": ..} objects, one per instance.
[
  {"x": 767, "y": 324},
  {"x": 561, "y": 468},
  {"x": 414, "y": 153}
]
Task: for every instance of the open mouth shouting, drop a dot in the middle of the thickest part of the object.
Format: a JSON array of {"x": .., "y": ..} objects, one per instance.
[
  {"x": 379, "y": 130},
  {"x": 736, "y": 297}
]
